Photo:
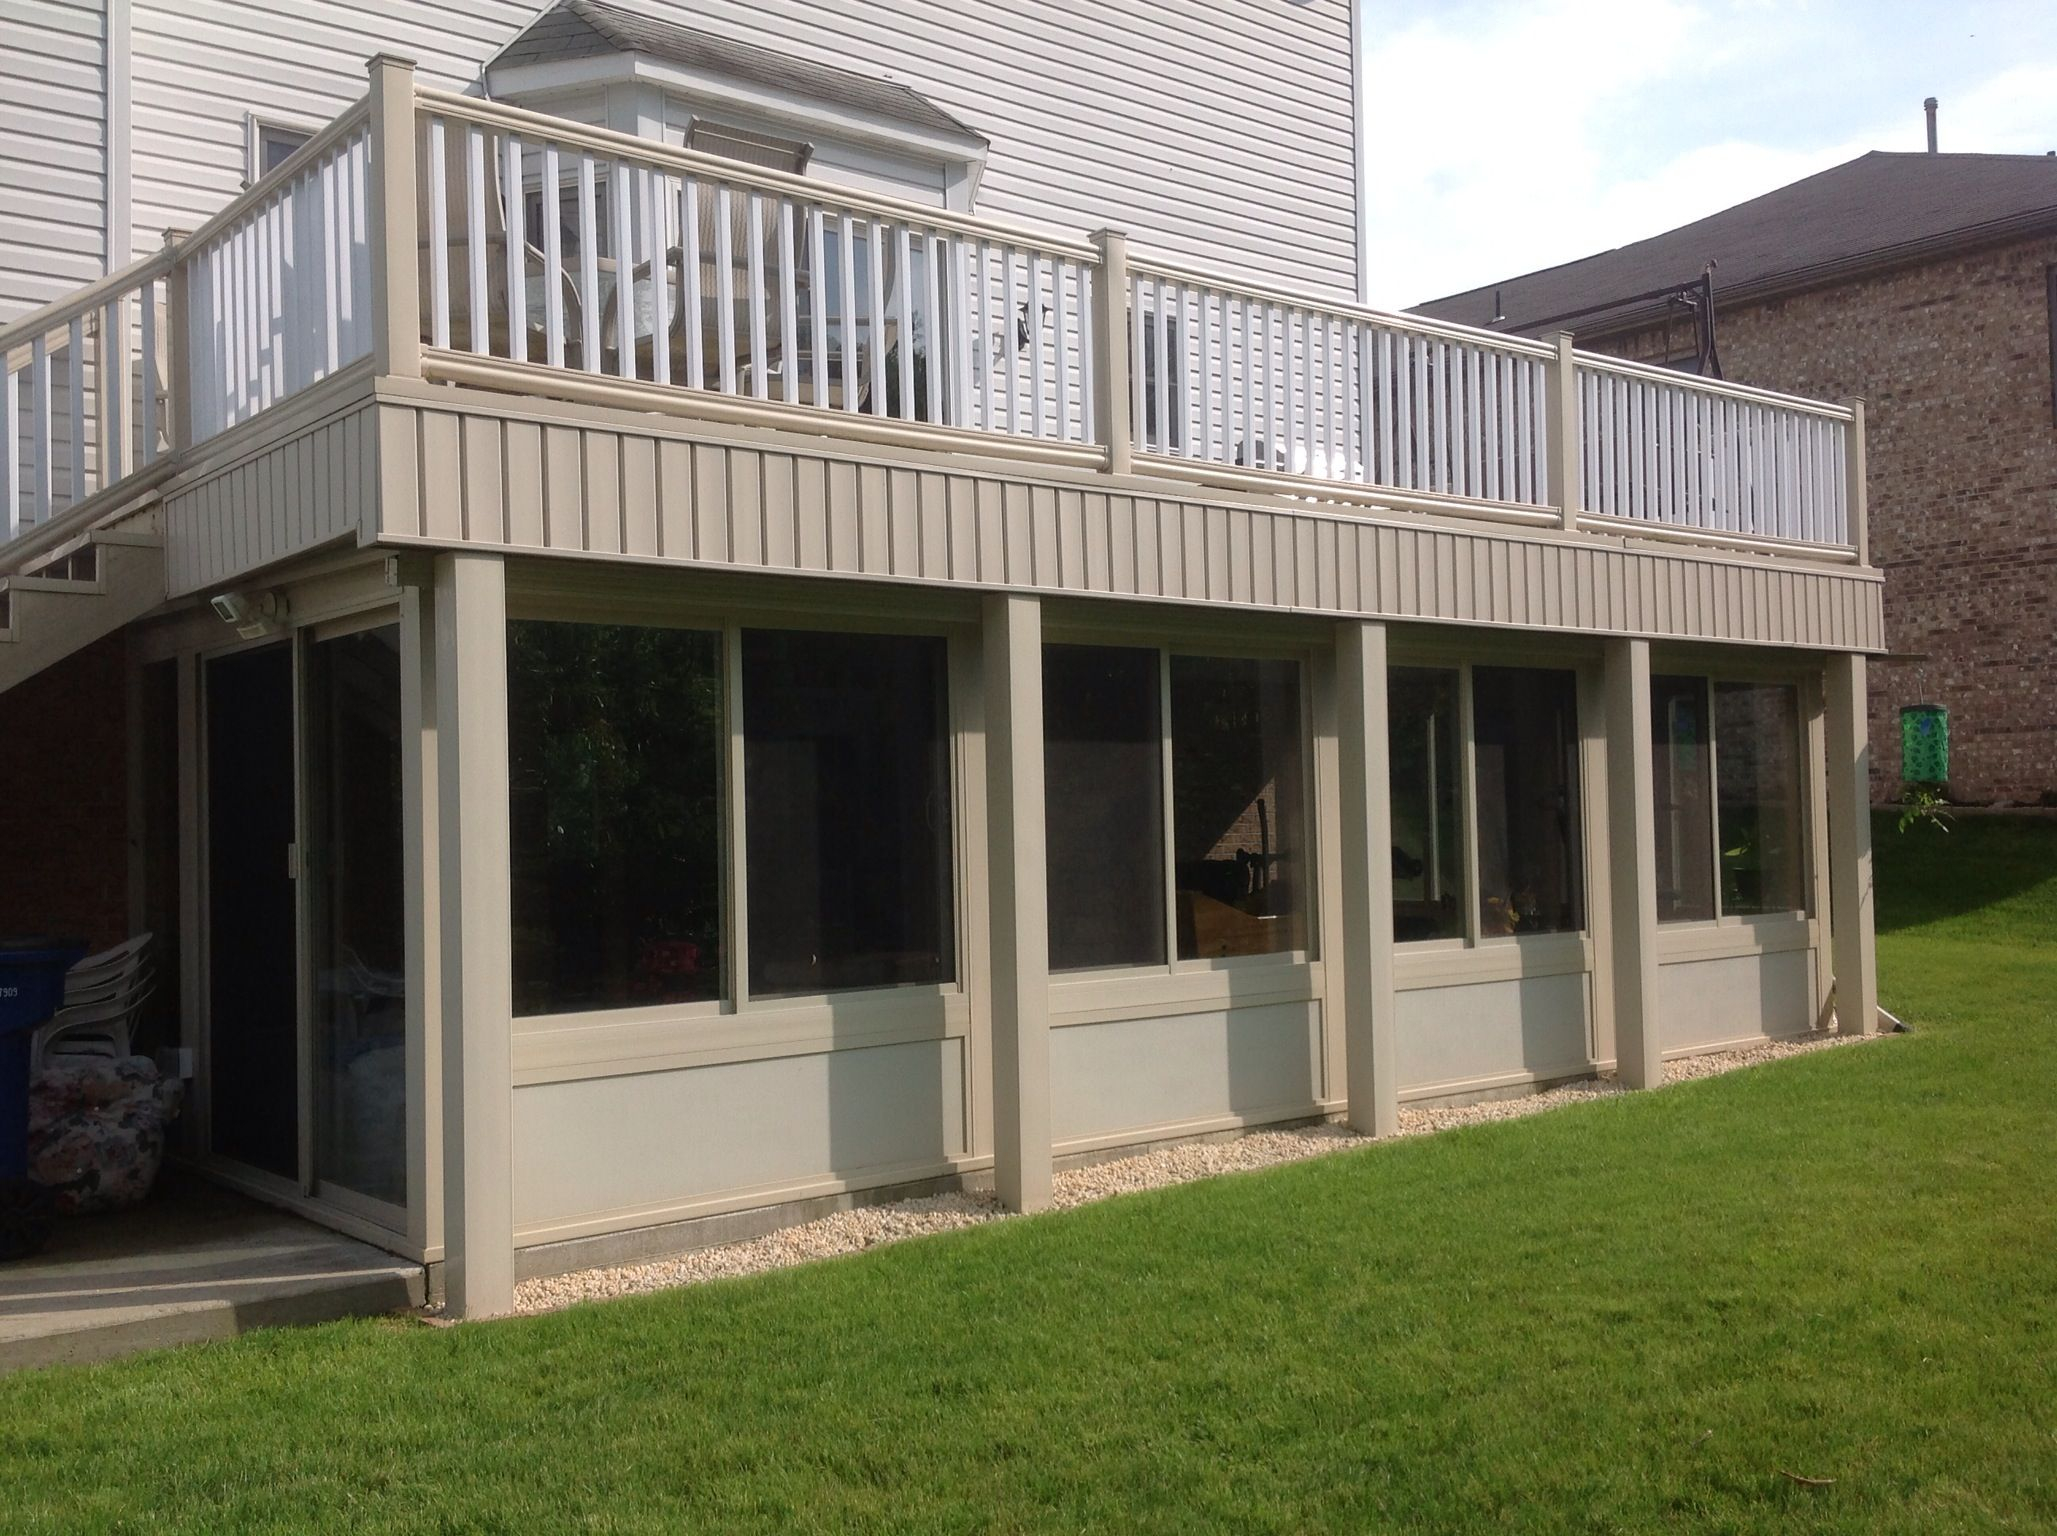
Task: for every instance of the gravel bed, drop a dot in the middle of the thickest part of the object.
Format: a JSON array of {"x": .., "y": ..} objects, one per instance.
[{"x": 869, "y": 1226}]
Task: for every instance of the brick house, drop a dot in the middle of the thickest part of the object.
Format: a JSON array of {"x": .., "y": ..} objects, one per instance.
[{"x": 1927, "y": 284}]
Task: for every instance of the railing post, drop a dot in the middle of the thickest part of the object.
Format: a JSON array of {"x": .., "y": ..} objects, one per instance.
[
  {"x": 395, "y": 272},
  {"x": 178, "y": 347},
  {"x": 1857, "y": 506},
  {"x": 1111, "y": 424},
  {"x": 1563, "y": 444}
]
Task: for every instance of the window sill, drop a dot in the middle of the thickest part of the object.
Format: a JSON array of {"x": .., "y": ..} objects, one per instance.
[
  {"x": 1498, "y": 959},
  {"x": 568, "y": 1047},
  {"x": 1729, "y": 937},
  {"x": 1201, "y": 986}
]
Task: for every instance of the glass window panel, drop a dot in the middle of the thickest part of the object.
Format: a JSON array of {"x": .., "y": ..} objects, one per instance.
[
  {"x": 1426, "y": 748},
  {"x": 1757, "y": 783},
  {"x": 1238, "y": 807},
  {"x": 615, "y": 741},
  {"x": 1103, "y": 771},
  {"x": 846, "y": 782},
  {"x": 1525, "y": 726},
  {"x": 357, "y": 890},
  {"x": 1684, "y": 826}
]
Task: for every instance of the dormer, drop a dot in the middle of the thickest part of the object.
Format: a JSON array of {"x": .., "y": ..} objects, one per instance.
[{"x": 608, "y": 66}]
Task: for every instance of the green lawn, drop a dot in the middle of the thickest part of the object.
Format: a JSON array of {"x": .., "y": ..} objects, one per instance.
[{"x": 1627, "y": 1315}]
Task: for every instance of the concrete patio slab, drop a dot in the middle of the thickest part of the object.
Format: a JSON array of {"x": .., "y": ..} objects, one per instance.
[{"x": 195, "y": 1262}]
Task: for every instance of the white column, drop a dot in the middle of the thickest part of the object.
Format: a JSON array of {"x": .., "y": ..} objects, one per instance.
[
  {"x": 1020, "y": 914},
  {"x": 1366, "y": 822},
  {"x": 1632, "y": 865},
  {"x": 1853, "y": 941},
  {"x": 477, "y": 981}
]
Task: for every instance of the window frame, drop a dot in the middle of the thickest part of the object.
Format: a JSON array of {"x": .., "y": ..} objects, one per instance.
[
  {"x": 737, "y": 1025},
  {"x": 257, "y": 127},
  {"x": 1461, "y": 660},
  {"x": 1804, "y": 730},
  {"x": 1238, "y": 649}
]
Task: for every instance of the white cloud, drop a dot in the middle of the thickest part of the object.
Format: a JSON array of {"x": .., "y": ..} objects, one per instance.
[{"x": 1520, "y": 137}]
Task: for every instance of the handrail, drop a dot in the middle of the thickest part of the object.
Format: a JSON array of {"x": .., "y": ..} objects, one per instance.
[
  {"x": 692, "y": 162},
  {"x": 1601, "y": 362},
  {"x": 1201, "y": 276},
  {"x": 40, "y": 322},
  {"x": 287, "y": 171}
]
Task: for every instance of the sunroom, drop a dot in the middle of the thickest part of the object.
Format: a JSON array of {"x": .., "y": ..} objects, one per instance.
[{"x": 928, "y": 718}]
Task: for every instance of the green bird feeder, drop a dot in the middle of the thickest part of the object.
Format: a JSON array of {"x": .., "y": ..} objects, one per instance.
[{"x": 1925, "y": 744}]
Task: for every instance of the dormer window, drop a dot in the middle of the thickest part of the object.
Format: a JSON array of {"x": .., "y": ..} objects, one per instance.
[{"x": 594, "y": 61}]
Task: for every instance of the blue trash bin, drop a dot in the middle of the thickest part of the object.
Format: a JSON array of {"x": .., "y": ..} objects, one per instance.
[{"x": 32, "y": 972}]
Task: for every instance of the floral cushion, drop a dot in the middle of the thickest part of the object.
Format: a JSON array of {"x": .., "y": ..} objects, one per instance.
[{"x": 97, "y": 1128}]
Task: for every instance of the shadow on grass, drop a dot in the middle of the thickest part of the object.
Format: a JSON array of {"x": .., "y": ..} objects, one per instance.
[{"x": 1929, "y": 874}]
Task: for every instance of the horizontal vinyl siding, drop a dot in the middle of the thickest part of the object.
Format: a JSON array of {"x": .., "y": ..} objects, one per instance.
[
  {"x": 53, "y": 164},
  {"x": 1215, "y": 132},
  {"x": 455, "y": 476}
]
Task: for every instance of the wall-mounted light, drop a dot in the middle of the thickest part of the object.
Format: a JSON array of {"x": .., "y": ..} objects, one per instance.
[{"x": 253, "y": 615}]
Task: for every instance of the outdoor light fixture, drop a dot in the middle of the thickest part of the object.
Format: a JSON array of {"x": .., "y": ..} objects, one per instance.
[{"x": 252, "y": 614}]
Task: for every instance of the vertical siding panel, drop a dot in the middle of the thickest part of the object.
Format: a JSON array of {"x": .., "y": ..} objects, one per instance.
[
  {"x": 1097, "y": 522},
  {"x": 781, "y": 537},
  {"x": 992, "y": 533},
  {"x": 841, "y": 488},
  {"x": 874, "y": 520},
  {"x": 811, "y": 512},
  {"x": 638, "y": 496},
  {"x": 1149, "y": 578},
  {"x": 1192, "y": 532},
  {"x": 1328, "y": 573},
  {"x": 933, "y": 517},
  {"x": 564, "y": 491},
  {"x": 1122, "y": 541},
  {"x": 442, "y": 484},
  {"x": 746, "y": 505},
  {"x": 523, "y": 448},
  {"x": 1221, "y": 561},
  {"x": 675, "y": 499},
  {"x": 710, "y": 503},
  {"x": 1072, "y": 560},
  {"x": 1263, "y": 570},
  {"x": 964, "y": 528},
  {"x": 1018, "y": 535},
  {"x": 484, "y": 521},
  {"x": 903, "y": 522},
  {"x": 603, "y": 493},
  {"x": 1042, "y": 524}
]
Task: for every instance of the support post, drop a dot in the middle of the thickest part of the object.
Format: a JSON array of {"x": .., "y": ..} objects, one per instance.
[
  {"x": 178, "y": 348},
  {"x": 1366, "y": 821},
  {"x": 395, "y": 259},
  {"x": 1563, "y": 438},
  {"x": 1853, "y": 476},
  {"x": 477, "y": 985},
  {"x": 1632, "y": 864},
  {"x": 1852, "y": 939},
  {"x": 1020, "y": 914},
  {"x": 420, "y": 787},
  {"x": 1112, "y": 428}
]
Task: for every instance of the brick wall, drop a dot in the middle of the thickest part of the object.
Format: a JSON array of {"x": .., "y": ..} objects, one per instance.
[
  {"x": 64, "y": 799},
  {"x": 1953, "y": 360}
]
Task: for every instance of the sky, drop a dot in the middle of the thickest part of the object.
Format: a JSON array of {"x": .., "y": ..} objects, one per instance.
[{"x": 1508, "y": 135}]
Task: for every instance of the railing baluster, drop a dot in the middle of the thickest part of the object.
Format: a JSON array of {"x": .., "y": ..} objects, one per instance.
[
  {"x": 147, "y": 403},
  {"x": 692, "y": 301},
  {"x": 476, "y": 240},
  {"x": 513, "y": 205},
  {"x": 590, "y": 318},
  {"x": 875, "y": 274},
  {"x": 846, "y": 321},
  {"x": 653, "y": 209},
  {"x": 760, "y": 384},
  {"x": 40, "y": 448},
  {"x": 1009, "y": 344},
  {"x": 11, "y": 514},
  {"x": 439, "y": 238},
  {"x": 75, "y": 380},
  {"x": 551, "y": 210},
  {"x": 1039, "y": 362},
  {"x": 618, "y": 198},
  {"x": 789, "y": 306},
  {"x": 113, "y": 385},
  {"x": 903, "y": 350},
  {"x": 818, "y": 303},
  {"x": 1060, "y": 325}
]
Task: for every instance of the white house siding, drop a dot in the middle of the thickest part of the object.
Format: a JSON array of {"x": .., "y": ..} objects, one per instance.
[
  {"x": 1218, "y": 132},
  {"x": 53, "y": 149}
]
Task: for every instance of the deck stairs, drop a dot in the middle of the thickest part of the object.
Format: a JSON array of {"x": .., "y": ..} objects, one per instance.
[{"x": 76, "y": 594}]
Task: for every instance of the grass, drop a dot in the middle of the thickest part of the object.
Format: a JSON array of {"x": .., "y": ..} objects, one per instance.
[{"x": 1630, "y": 1315}]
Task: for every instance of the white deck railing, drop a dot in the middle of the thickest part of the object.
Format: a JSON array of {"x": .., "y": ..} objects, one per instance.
[
  {"x": 546, "y": 243},
  {"x": 278, "y": 285},
  {"x": 83, "y": 405},
  {"x": 1665, "y": 448},
  {"x": 483, "y": 245},
  {"x": 1295, "y": 385}
]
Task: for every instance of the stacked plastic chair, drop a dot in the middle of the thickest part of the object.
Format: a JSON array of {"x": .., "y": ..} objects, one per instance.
[{"x": 104, "y": 996}]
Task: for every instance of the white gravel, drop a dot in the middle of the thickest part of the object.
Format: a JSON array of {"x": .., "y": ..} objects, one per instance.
[{"x": 867, "y": 1227}]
